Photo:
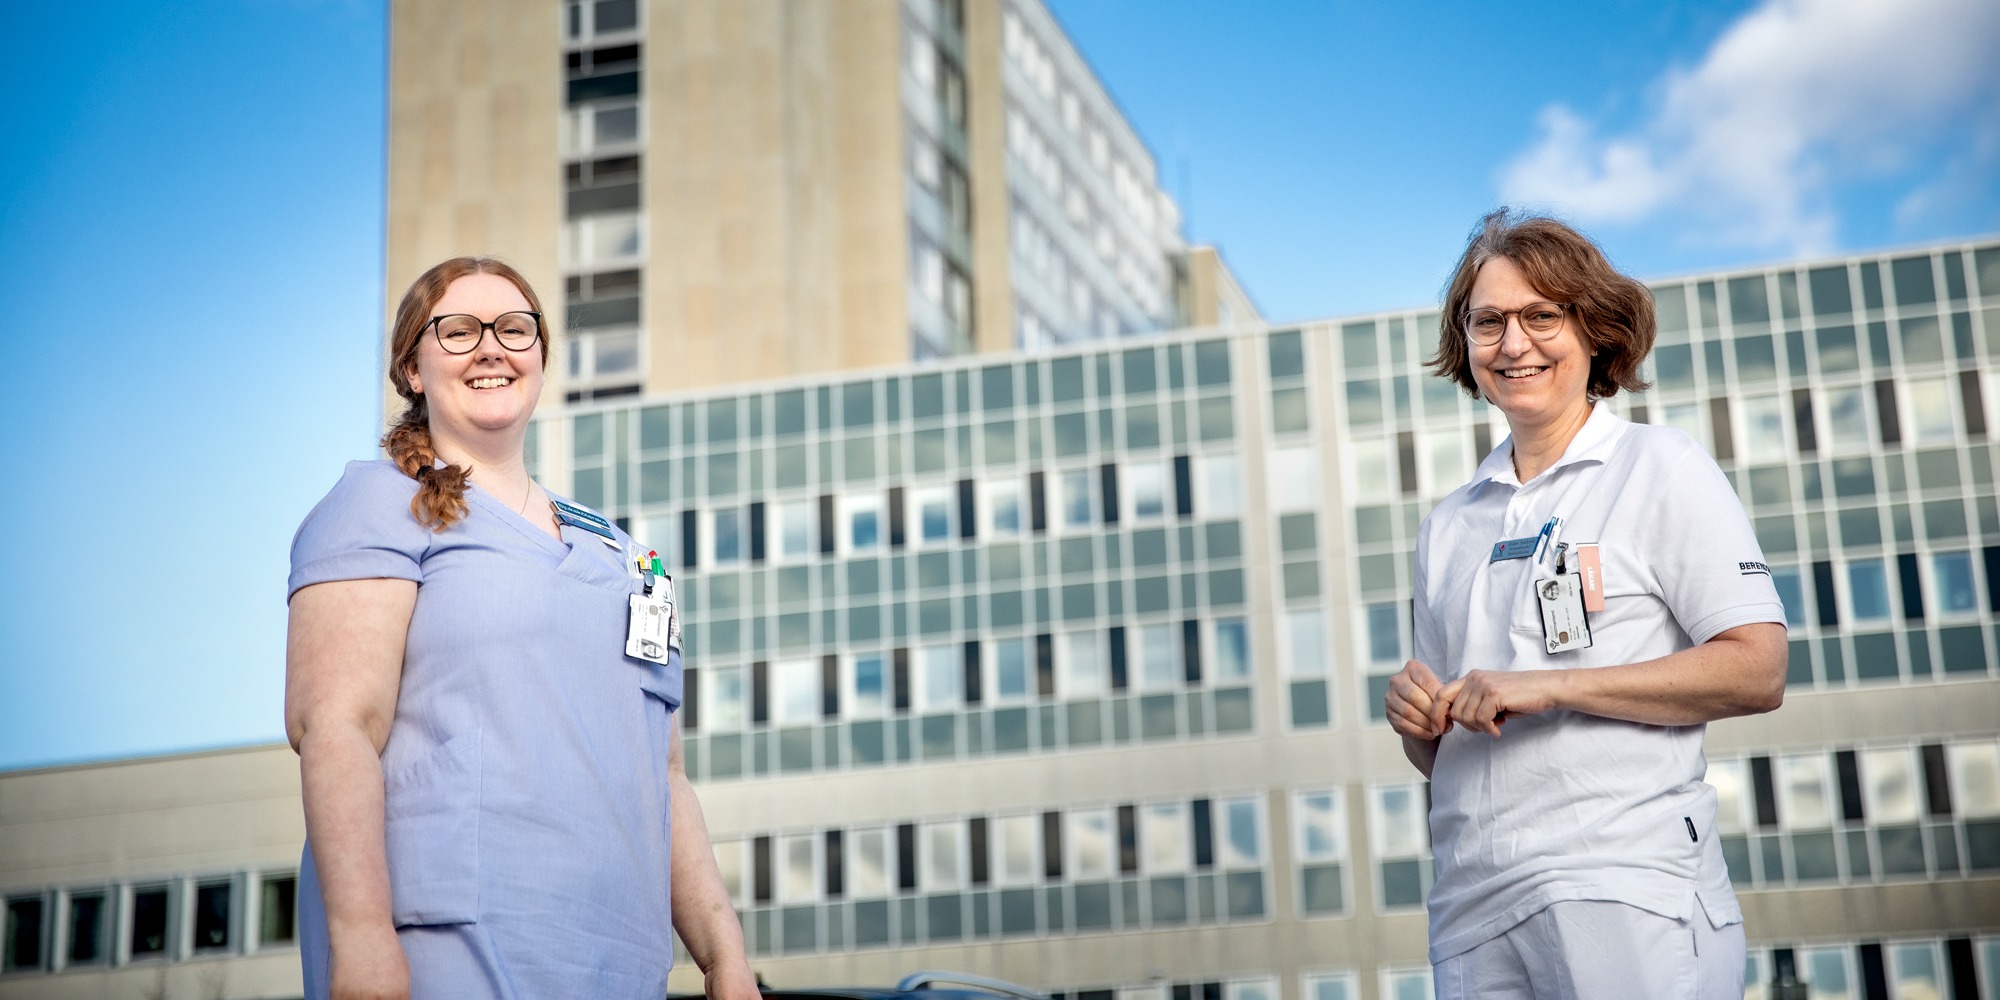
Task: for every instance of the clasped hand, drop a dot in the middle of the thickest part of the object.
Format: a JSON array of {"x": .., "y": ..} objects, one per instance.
[{"x": 1422, "y": 707}]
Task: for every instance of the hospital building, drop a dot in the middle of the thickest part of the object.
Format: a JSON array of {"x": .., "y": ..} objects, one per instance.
[{"x": 1042, "y": 634}]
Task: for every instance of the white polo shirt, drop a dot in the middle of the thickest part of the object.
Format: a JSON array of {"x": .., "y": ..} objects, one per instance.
[{"x": 1565, "y": 805}]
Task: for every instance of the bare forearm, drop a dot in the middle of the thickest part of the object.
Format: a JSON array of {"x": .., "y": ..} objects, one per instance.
[
  {"x": 1741, "y": 672},
  {"x": 341, "y": 776},
  {"x": 703, "y": 914}
]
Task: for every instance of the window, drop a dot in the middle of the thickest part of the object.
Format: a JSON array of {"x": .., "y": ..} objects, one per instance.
[
  {"x": 1221, "y": 486},
  {"x": 24, "y": 933},
  {"x": 1159, "y": 666},
  {"x": 1686, "y": 418},
  {"x": 1017, "y": 850},
  {"x": 944, "y": 856},
  {"x": 607, "y": 126},
  {"x": 1371, "y": 470},
  {"x": 603, "y": 240},
  {"x": 1146, "y": 484},
  {"x": 1791, "y": 593},
  {"x": 1889, "y": 778},
  {"x": 795, "y": 695},
  {"x": 1294, "y": 479},
  {"x": 1008, "y": 682},
  {"x": 1092, "y": 851},
  {"x": 1230, "y": 650},
  {"x": 940, "y": 679},
  {"x": 1732, "y": 800},
  {"x": 1827, "y": 970},
  {"x": 1446, "y": 460},
  {"x": 149, "y": 922},
  {"x": 932, "y": 506},
  {"x": 596, "y": 18},
  {"x": 1083, "y": 674},
  {"x": 1319, "y": 831},
  {"x": 1847, "y": 419},
  {"x": 798, "y": 868},
  {"x": 1407, "y": 984},
  {"x": 87, "y": 919},
  {"x": 1385, "y": 634},
  {"x": 1951, "y": 583},
  {"x": 213, "y": 902},
  {"x": 1164, "y": 837},
  {"x": 725, "y": 533},
  {"x": 1242, "y": 841},
  {"x": 796, "y": 522},
  {"x": 1804, "y": 788},
  {"x": 1975, "y": 774},
  {"x": 1077, "y": 509},
  {"x": 1331, "y": 986},
  {"x": 1868, "y": 590},
  {"x": 723, "y": 708},
  {"x": 867, "y": 694},
  {"x": 1930, "y": 410},
  {"x": 603, "y": 355},
  {"x": 862, "y": 516},
  {"x": 1003, "y": 508},
  {"x": 1762, "y": 438},
  {"x": 1398, "y": 827},
  {"x": 1305, "y": 632},
  {"x": 867, "y": 857},
  {"x": 1917, "y": 970},
  {"x": 277, "y": 910}
]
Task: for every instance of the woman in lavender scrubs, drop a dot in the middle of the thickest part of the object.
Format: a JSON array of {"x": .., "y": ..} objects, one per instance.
[{"x": 495, "y": 803}]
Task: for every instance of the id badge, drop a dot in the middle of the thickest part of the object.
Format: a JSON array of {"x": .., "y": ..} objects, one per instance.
[
  {"x": 1565, "y": 625},
  {"x": 654, "y": 629}
]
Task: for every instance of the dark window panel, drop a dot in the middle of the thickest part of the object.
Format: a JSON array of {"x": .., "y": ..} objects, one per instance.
[
  {"x": 690, "y": 699},
  {"x": 1119, "y": 677},
  {"x": 1719, "y": 427},
  {"x": 212, "y": 903},
  {"x": 827, "y": 538},
  {"x": 1874, "y": 976},
  {"x": 1849, "y": 770},
  {"x": 1107, "y": 475},
  {"x": 1038, "y": 510},
  {"x": 1913, "y": 591},
  {"x": 1964, "y": 974},
  {"x": 899, "y": 669},
  {"x": 1885, "y": 411},
  {"x": 1128, "y": 840},
  {"x": 968, "y": 510},
  {"x": 1045, "y": 666},
  {"x": 595, "y": 88},
  {"x": 906, "y": 856},
  {"x": 760, "y": 877},
  {"x": 760, "y": 692},
  {"x": 690, "y": 539},
  {"x": 757, "y": 532},
  {"x": 836, "y": 865},
  {"x": 1191, "y": 651},
  {"x": 601, "y": 199},
  {"x": 897, "y": 535},
  {"x": 1482, "y": 435},
  {"x": 1183, "y": 486},
  {"x": 1766, "y": 791},
  {"x": 24, "y": 933},
  {"x": 1052, "y": 865},
  {"x": 829, "y": 686},
  {"x": 1937, "y": 781},
  {"x": 604, "y": 312},
  {"x": 981, "y": 864},
  {"x": 149, "y": 922},
  {"x": 86, "y": 928},
  {"x": 1823, "y": 599},
  {"x": 1204, "y": 834},
  {"x": 1802, "y": 421},
  {"x": 972, "y": 676},
  {"x": 1406, "y": 460},
  {"x": 1974, "y": 403},
  {"x": 1991, "y": 557}
]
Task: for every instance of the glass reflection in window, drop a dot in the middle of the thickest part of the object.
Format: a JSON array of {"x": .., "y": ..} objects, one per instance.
[
  {"x": 1147, "y": 483},
  {"x": 1804, "y": 781},
  {"x": 1003, "y": 508},
  {"x": 1163, "y": 835},
  {"x": 1729, "y": 780},
  {"x": 1010, "y": 671},
  {"x": 1083, "y": 667},
  {"x": 1294, "y": 479},
  {"x": 1221, "y": 487},
  {"x": 723, "y": 710},
  {"x": 1157, "y": 667},
  {"x": 1975, "y": 779},
  {"x": 866, "y": 854},
  {"x": 1930, "y": 411},
  {"x": 944, "y": 856},
  {"x": 1951, "y": 583},
  {"x": 1890, "y": 779},
  {"x": 1847, "y": 419},
  {"x": 1242, "y": 840},
  {"x": 796, "y": 698},
  {"x": 1232, "y": 650},
  {"x": 1076, "y": 507},
  {"x": 795, "y": 529},
  {"x": 941, "y": 680},
  {"x": 1090, "y": 847},
  {"x": 798, "y": 875},
  {"x": 1017, "y": 849},
  {"x": 1763, "y": 438},
  {"x": 727, "y": 530},
  {"x": 1321, "y": 827},
  {"x": 1398, "y": 823},
  {"x": 1868, "y": 589},
  {"x": 1306, "y": 632}
]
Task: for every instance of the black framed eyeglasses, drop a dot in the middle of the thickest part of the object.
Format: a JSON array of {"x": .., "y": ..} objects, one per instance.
[
  {"x": 459, "y": 333},
  {"x": 1541, "y": 320}
]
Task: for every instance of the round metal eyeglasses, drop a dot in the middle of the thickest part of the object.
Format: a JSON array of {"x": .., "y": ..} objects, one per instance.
[
  {"x": 459, "y": 333},
  {"x": 1541, "y": 320}
]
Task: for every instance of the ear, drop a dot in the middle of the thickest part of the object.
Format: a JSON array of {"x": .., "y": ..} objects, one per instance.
[{"x": 416, "y": 381}]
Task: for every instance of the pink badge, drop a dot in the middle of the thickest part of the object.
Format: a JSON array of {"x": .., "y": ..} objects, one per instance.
[{"x": 1592, "y": 572}]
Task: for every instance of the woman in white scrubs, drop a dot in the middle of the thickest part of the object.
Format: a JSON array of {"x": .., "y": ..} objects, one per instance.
[
  {"x": 494, "y": 798},
  {"x": 1583, "y": 607}
]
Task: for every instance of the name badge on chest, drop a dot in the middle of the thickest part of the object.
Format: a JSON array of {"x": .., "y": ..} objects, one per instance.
[
  {"x": 1565, "y": 625},
  {"x": 654, "y": 628},
  {"x": 588, "y": 520}
]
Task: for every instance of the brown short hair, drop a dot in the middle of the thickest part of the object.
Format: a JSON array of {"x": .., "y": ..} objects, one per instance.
[{"x": 1614, "y": 313}]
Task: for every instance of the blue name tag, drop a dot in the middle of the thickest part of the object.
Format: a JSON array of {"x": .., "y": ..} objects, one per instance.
[
  {"x": 1515, "y": 548},
  {"x": 577, "y": 517}
]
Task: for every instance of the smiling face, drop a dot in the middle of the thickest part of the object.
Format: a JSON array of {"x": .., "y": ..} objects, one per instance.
[
  {"x": 489, "y": 390},
  {"x": 1536, "y": 383}
]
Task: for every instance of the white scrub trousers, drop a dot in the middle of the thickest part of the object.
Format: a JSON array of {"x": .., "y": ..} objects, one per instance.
[{"x": 1588, "y": 949}]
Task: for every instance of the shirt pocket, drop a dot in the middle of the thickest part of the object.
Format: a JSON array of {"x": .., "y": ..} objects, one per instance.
[
  {"x": 431, "y": 830},
  {"x": 663, "y": 680}
]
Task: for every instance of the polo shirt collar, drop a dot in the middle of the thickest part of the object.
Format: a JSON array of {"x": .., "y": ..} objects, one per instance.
[{"x": 1593, "y": 443}]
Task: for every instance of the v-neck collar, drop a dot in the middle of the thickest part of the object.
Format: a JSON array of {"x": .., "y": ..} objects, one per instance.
[{"x": 512, "y": 518}]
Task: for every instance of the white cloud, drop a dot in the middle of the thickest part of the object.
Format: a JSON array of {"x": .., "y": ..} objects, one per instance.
[{"x": 1794, "y": 97}]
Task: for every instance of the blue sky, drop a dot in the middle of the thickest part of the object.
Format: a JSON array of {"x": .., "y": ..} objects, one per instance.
[{"x": 191, "y": 225}]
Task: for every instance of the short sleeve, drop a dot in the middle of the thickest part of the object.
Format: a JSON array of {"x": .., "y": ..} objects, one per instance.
[
  {"x": 1427, "y": 639},
  {"x": 361, "y": 530},
  {"x": 1706, "y": 558}
]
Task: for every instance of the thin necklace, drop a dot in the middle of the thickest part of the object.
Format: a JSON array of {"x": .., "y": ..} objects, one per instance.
[{"x": 529, "y": 492}]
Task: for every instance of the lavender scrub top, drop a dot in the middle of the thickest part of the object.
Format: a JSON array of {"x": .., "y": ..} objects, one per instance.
[{"x": 526, "y": 812}]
